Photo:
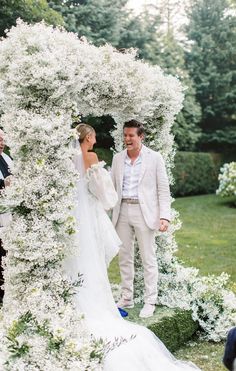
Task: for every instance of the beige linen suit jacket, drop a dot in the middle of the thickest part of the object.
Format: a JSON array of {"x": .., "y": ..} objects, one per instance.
[{"x": 153, "y": 189}]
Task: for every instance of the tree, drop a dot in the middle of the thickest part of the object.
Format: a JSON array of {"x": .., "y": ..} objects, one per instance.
[
  {"x": 172, "y": 59},
  {"x": 142, "y": 32},
  {"x": 98, "y": 20},
  {"x": 212, "y": 64},
  {"x": 29, "y": 10},
  {"x": 171, "y": 12}
]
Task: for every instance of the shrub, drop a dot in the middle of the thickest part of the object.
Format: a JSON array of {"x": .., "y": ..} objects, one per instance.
[
  {"x": 227, "y": 180},
  {"x": 194, "y": 173}
]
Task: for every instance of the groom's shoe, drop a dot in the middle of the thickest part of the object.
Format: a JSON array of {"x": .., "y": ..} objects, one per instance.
[
  {"x": 124, "y": 303},
  {"x": 147, "y": 311}
]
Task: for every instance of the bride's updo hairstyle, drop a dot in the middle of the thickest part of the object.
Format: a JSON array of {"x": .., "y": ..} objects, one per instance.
[{"x": 83, "y": 130}]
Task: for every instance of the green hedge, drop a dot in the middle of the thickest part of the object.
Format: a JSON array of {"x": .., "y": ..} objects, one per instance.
[
  {"x": 174, "y": 327},
  {"x": 194, "y": 173}
]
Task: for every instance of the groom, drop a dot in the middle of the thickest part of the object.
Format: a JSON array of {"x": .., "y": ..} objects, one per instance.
[{"x": 140, "y": 179}]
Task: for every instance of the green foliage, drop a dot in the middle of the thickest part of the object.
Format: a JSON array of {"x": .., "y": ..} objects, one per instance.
[
  {"x": 98, "y": 20},
  {"x": 29, "y": 10},
  {"x": 22, "y": 209},
  {"x": 104, "y": 155},
  {"x": 211, "y": 62},
  {"x": 18, "y": 328},
  {"x": 185, "y": 325},
  {"x": 221, "y": 137},
  {"x": 194, "y": 173},
  {"x": 142, "y": 33},
  {"x": 186, "y": 128},
  {"x": 103, "y": 126},
  {"x": 69, "y": 291},
  {"x": 98, "y": 347},
  {"x": 27, "y": 323},
  {"x": 224, "y": 140}
]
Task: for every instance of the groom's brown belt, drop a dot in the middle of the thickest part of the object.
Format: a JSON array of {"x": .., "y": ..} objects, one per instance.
[{"x": 130, "y": 200}]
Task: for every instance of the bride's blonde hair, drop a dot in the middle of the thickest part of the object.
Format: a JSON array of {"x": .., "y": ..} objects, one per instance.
[{"x": 83, "y": 130}]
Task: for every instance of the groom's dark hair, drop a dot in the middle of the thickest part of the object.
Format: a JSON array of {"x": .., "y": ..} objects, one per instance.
[{"x": 134, "y": 124}]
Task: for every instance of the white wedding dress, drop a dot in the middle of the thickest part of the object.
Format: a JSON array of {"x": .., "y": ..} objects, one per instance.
[{"x": 98, "y": 243}]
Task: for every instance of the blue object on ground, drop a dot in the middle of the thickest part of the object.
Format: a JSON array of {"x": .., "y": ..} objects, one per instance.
[
  {"x": 123, "y": 312},
  {"x": 230, "y": 350}
]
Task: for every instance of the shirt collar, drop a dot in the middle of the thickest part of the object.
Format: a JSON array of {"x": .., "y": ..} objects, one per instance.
[{"x": 128, "y": 159}]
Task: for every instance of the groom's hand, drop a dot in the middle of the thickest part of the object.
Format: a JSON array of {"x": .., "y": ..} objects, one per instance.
[
  {"x": 164, "y": 224},
  {"x": 7, "y": 180}
]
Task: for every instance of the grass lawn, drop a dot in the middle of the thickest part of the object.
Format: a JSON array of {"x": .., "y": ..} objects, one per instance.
[
  {"x": 207, "y": 356},
  {"x": 207, "y": 239}
]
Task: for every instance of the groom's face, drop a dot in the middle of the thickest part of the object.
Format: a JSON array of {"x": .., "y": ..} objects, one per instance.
[{"x": 132, "y": 140}]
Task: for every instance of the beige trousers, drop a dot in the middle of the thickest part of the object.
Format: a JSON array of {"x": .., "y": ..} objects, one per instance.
[{"x": 131, "y": 224}]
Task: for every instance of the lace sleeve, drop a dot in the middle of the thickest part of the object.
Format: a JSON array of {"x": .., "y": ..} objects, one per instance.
[{"x": 101, "y": 186}]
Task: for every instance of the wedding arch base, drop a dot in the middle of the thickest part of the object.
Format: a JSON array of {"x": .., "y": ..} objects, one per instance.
[{"x": 47, "y": 77}]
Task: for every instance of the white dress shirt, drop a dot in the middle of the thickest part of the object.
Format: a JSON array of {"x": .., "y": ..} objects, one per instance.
[{"x": 131, "y": 177}]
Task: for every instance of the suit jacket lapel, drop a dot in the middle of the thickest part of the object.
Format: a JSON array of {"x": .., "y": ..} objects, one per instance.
[
  {"x": 144, "y": 163},
  {"x": 121, "y": 169}
]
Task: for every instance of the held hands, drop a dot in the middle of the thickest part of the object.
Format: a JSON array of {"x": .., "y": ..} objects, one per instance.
[{"x": 164, "y": 224}]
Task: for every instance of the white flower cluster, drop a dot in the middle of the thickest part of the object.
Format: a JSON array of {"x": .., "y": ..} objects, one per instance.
[
  {"x": 40, "y": 328},
  {"x": 214, "y": 306},
  {"x": 227, "y": 180},
  {"x": 72, "y": 74}
]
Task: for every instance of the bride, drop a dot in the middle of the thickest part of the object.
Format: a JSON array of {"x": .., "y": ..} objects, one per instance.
[{"x": 98, "y": 244}]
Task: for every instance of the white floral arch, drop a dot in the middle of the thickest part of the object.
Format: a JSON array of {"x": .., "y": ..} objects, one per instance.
[{"x": 46, "y": 76}]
